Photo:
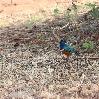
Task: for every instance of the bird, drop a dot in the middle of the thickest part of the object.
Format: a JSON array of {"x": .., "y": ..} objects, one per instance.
[{"x": 66, "y": 49}]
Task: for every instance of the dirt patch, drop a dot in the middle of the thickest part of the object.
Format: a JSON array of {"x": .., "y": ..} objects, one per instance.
[{"x": 21, "y": 10}]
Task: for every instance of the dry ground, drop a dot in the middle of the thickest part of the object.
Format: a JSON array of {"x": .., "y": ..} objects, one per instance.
[
  {"x": 20, "y": 10},
  {"x": 31, "y": 65}
]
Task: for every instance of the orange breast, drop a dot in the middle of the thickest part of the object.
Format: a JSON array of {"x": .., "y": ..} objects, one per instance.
[{"x": 66, "y": 53}]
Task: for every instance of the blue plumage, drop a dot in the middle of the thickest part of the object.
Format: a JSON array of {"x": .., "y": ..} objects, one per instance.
[{"x": 66, "y": 47}]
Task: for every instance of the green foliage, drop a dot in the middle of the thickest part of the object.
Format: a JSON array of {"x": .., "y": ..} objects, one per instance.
[
  {"x": 94, "y": 9},
  {"x": 88, "y": 45}
]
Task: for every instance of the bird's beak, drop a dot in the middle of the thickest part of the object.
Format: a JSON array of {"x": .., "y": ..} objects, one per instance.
[{"x": 61, "y": 50}]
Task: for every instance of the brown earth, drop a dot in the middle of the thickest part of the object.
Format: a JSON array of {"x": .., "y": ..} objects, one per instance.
[{"x": 21, "y": 9}]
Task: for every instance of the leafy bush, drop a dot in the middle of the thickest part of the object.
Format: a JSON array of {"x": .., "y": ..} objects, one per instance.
[{"x": 88, "y": 45}]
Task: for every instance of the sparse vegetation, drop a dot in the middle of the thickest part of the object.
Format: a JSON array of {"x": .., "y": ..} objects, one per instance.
[
  {"x": 32, "y": 20},
  {"x": 56, "y": 11},
  {"x": 94, "y": 9},
  {"x": 88, "y": 45},
  {"x": 71, "y": 14}
]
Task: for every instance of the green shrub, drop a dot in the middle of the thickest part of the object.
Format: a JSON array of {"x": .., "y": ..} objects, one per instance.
[{"x": 88, "y": 45}]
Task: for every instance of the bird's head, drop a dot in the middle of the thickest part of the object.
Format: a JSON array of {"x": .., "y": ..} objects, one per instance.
[
  {"x": 61, "y": 44},
  {"x": 63, "y": 41}
]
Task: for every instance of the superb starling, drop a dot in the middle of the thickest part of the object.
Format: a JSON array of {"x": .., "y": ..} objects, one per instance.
[{"x": 67, "y": 50}]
